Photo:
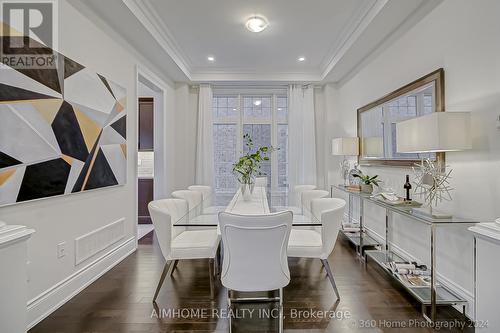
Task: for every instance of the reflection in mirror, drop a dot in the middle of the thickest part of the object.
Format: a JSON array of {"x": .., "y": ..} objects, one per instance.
[{"x": 377, "y": 121}]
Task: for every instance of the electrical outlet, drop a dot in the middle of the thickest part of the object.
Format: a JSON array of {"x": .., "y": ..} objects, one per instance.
[{"x": 61, "y": 250}]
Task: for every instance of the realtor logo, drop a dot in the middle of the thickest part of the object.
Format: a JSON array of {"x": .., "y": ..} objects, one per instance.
[{"x": 29, "y": 33}]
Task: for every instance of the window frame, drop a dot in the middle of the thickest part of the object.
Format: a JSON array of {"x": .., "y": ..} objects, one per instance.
[{"x": 240, "y": 121}]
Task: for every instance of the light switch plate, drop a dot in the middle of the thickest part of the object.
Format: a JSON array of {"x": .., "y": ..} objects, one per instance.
[{"x": 61, "y": 250}]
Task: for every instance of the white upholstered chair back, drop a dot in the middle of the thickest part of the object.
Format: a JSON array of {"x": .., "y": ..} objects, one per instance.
[
  {"x": 206, "y": 192},
  {"x": 193, "y": 198},
  {"x": 330, "y": 211},
  {"x": 164, "y": 213},
  {"x": 261, "y": 181},
  {"x": 308, "y": 196},
  {"x": 297, "y": 193},
  {"x": 255, "y": 251}
]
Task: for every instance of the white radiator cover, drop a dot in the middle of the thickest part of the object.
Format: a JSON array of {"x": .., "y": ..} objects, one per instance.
[{"x": 98, "y": 240}]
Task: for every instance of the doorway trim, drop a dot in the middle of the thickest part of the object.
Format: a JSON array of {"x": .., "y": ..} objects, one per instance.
[{"x": 143, "y": 71}]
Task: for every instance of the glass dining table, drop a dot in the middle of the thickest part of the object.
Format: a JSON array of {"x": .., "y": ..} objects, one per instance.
[{"x": 205, "y": 213}]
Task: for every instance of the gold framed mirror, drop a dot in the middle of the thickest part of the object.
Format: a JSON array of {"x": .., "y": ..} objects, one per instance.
[{"x": 377, "y": 121}]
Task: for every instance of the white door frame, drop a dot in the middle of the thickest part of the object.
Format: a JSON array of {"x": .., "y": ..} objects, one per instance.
[{"x": 143, "y": 71}]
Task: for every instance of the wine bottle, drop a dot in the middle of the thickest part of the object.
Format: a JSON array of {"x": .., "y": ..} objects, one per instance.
[{"x": 407, "y": 187}]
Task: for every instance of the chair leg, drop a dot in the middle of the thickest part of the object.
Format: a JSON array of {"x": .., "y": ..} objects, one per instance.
[
  {"x": 174, "y": 266},
  {"x": 162, "y": 278},
  {"x": 211, "y": 274},
  {"x": 330, "y": 276},
  {"x": 229, "y": 309},
  {"x": 216, "y": 264},
  {"x": 281, "y": 311}
]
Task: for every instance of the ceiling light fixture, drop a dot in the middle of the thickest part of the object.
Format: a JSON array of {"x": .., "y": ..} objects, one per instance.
[
  {"x": 301, "y": 59},
  {"x": 257, "y": 102},
  {"x": 211, "y": 58},
  {"x": 257, "y": 23}
]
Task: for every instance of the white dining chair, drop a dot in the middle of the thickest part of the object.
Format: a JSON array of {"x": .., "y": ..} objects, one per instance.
[
  {"x": 307, "y": 196},
  {"x": 178, "y": 243},
  {"x": 307, "y": 243},
  {"x": 193, "y": 198},
  {"x": 296, "y": 199},
  {"x": 207, "y": 195},
  {"x": 305, "y": 216},
  {"x": 261, "y": 181},
  {"x": 255, "y": 254},
  {"x": 297, "y": 192}
]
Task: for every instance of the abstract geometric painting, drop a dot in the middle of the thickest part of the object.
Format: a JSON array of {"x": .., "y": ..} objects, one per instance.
[{"x": 62, "y": 130}]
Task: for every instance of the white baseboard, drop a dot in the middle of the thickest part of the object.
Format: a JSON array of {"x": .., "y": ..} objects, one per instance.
[
  {"x": 51, "y": 299},
  {"x": 459, "y": 290}
]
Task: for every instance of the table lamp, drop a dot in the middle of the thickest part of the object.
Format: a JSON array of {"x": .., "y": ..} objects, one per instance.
[
  {"x": 345, "y": 147},
  {"x": 433, "y": 133}
]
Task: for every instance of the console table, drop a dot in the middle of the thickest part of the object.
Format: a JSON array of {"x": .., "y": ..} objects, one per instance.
[{"x": 432, "y": 296}]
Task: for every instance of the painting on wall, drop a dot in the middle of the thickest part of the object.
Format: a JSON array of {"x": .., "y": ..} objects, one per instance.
[{"x": 62, "y": 129}]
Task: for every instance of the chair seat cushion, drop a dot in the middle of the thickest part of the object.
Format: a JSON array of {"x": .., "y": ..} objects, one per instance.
[
  {"x": 195, "y": 244},
  {"x": 305, "y": 243}
]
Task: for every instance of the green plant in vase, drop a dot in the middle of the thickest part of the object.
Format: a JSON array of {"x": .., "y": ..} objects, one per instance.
[
  {"x": 367, "y": 182},
  {"x": 248, "y": 166}
]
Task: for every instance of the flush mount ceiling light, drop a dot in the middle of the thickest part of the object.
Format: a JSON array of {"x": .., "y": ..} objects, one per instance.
[
  {"x": 257, "y": 23},
  {"x": 257, "y": 102},
  {"x": 211, "y": 58},
  {"x": 301, "y": 59}
]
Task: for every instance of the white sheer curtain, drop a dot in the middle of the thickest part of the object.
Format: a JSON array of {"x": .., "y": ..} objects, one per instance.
[
  {"x": 204, "y": 172},
  {"x": 301, "y": 137}
]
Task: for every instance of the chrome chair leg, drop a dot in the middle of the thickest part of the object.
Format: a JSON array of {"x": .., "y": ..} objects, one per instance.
[
  {"x": 211, "y": 274},
  {"x": 216, "y": 264},
  {"x": 281, "y": 311},
  {"x": 162, "y": 278},
  {"x": 330, "y": 276},
  {"x": 229, "y": 309},
  {"x": 174, "y": 266}
]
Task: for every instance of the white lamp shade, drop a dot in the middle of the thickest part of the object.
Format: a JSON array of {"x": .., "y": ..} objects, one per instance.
[
  {"x": 345, "y": 146},
  {"x": 373, "y": 146},
  {"x": 435, "y": 132}
]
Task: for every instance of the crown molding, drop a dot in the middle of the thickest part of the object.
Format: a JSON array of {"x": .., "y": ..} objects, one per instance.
[
  {"x": 216, "y": 76},
  {"x": 151, "y": 21},
  {"x": 149, "y": 18},
  {"x": 360, "y": 21},
  {"x": 353, "y": 31}
]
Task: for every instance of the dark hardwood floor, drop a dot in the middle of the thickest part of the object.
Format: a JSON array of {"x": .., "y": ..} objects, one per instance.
[{"x": 120, "y": 301}]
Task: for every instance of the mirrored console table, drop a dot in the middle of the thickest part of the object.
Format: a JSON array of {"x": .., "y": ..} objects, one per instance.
[{"x": 435, "y": 294}]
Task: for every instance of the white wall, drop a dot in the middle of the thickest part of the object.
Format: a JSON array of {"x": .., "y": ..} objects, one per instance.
[
  {"x": 55, "y": 220},
  {"x": 462, "y": 37}
]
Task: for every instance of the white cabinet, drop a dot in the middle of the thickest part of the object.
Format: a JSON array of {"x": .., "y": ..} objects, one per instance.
[
  {"x": 13, "y": 277},
  {"x": 487, "y": 276}
]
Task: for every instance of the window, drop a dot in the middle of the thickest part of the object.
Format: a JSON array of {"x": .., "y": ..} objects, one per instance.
[{"x": 265, "y": 119}]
